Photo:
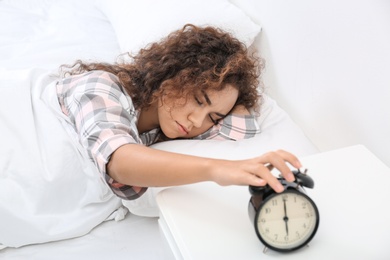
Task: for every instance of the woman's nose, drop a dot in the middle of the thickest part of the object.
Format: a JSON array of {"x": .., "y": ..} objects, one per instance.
[{"x": 197, "y": 118}]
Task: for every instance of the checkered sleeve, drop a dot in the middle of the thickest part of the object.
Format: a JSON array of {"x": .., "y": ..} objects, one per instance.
[
  {"x": 233, "y": 127},
  {"x": 104, "y": 119}
]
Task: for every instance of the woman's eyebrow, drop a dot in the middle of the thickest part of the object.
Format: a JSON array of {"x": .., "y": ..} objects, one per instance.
[
  {"x": 208, "y": 101},
  {"x": 206, "y": 97}
]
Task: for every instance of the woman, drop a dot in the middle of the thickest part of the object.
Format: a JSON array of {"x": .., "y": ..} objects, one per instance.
[{"x": 192, "y": 84}]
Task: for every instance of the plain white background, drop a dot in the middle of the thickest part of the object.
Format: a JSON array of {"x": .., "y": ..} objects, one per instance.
[{"x": 327, "y": 65}]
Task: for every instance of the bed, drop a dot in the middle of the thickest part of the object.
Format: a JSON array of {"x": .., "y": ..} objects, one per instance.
[{"x": 38, "y": 36}]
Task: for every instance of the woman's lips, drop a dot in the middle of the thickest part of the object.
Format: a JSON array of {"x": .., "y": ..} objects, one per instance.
[{"x": 182, "y": 129}]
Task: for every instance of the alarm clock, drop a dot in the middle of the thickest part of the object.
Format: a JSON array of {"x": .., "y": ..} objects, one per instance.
[{"x": 284, "y": 221}]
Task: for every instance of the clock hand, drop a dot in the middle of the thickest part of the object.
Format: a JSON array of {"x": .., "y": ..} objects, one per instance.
[{"x": 285, "y": 215}]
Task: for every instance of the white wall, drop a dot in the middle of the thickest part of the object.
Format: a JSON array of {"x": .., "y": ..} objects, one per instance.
[{"x": 328, "y": 66}]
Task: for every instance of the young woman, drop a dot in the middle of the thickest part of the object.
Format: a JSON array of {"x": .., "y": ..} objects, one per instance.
[{"x": 195, "y": 83}]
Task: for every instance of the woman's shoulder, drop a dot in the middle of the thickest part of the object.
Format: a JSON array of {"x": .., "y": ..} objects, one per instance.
[
  {"x": 96, "y": 84},
  {"x": 92, "y": 75},
  {"x": 95, "y": 79}
]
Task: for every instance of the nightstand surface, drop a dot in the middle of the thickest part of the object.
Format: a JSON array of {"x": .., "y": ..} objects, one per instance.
[{"x": 206, "y": 221}]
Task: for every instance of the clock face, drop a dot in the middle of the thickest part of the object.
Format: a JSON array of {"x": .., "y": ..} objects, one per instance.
[{"x": 287, "y": 221}]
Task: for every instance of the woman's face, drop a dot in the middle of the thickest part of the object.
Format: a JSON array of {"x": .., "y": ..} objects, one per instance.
[{"x": 186, "y": 118}]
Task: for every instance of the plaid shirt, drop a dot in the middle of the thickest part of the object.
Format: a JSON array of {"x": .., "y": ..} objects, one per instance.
[{"x": 104, "y": 119}]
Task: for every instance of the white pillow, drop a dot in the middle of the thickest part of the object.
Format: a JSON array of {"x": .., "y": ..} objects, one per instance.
[{"x": 140, "y": 22}]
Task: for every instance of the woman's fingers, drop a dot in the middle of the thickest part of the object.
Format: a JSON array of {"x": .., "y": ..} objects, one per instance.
[
  {"x": 289, "y": 157},
  {"x": 255, "y": 180},
  {"x": 281, "y": 154},
  {"x": 278, "y": 160},
  {"x": 256, "y": 171},
  {"x": 269, "y": 178}
]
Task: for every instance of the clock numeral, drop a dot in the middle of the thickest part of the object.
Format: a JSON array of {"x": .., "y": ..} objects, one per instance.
[
  {"x": 286, "y": 238},
  {"x": 262, "y": 220},
  {"x": 276, "y": 236},
  {"x": 267, "y": 230},
  {"x": 267, "y": 210},
  {"x": 274, "y": 202},
  {"x": 297, "y": 233},
  {"x": 285, "y": 197},
  {"x": 304, "y": 204}
]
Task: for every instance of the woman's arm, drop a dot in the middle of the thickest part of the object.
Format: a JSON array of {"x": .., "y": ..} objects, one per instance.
[{"x": 137, "y": 165}]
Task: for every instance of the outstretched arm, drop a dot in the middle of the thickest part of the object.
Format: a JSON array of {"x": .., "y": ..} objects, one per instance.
[
  {"x": 137, "y": 165},
  {"x": 110, "y": 126}
]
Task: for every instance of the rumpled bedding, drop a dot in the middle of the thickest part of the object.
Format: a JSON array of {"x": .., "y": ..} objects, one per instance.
[{"x": 49, "y": 189}]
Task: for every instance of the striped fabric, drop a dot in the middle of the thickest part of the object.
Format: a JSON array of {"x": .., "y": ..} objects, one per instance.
[{"x": 104, "y": 119}]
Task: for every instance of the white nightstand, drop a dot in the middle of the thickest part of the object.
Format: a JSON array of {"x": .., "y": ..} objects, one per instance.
[{"x": 206, "y": 221}]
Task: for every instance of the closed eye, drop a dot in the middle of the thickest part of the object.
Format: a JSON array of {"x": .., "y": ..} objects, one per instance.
[
  {"x": 198, "y": 101},
  {"x": 206, "y": 98},
  {"x": 217, "y": 120}
]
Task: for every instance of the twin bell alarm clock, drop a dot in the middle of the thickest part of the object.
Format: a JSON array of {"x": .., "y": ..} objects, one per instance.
[{"x": 284, "y": 221}]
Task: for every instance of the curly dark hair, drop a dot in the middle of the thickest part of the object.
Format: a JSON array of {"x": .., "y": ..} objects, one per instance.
[{"x": 187, "y": 61}]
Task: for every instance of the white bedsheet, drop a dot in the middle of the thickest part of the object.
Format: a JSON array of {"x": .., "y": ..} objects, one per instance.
[
  {"x": 37, "y": 36},
  {"x": 132, "y": 238}
]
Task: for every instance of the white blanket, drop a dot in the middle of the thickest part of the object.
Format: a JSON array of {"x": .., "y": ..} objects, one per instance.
[{"x": 49, "y": 190}]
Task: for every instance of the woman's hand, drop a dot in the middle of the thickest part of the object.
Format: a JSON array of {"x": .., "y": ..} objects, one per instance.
[{"x": 256, "y": 171}]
